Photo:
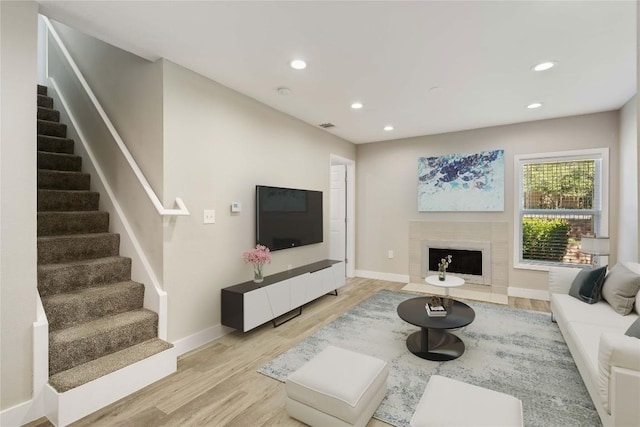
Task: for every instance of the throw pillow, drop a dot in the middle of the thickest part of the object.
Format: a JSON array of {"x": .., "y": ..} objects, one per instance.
[
  {"x": 620, "y": 289},
  {"x": 634, "y": 329},
  {"x": 588, "y": 284}
]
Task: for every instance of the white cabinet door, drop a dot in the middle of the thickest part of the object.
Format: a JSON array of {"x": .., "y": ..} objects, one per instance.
[
  {"x": 328, "y": 283},
  {"x": 298, "y": 290},
  {"x": 256, "y": 309},
  {"x": 338, "y": 274},
  {"x": 278, "y": 298},
  {"x": 314, "y": 286}
]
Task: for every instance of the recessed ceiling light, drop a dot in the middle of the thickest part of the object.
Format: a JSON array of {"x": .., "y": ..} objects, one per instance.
[
  {"x": 388, "y": 128},
  {"x": 356, "y": 105},
  {"x": 298, "y": 64},
  {"x": 534, "y": 105},
  {"x": 543, "y": 66},
  {"x": 284, "y": 91}
]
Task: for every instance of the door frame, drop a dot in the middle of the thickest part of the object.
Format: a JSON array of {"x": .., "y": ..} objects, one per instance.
[{"x": 351, "y": 209}]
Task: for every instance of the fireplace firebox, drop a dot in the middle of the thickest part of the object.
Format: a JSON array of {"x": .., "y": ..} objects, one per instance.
[{"x": 471, "y": 260}]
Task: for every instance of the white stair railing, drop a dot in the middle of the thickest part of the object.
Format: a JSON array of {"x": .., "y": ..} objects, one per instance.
[{"x": 182, "y": 209}]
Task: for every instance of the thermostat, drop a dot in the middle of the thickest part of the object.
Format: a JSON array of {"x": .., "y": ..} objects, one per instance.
[{"x": 236, "y": 207}]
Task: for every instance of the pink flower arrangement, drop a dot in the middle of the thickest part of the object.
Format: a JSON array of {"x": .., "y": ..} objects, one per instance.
[{"x": 257, "y": 256}]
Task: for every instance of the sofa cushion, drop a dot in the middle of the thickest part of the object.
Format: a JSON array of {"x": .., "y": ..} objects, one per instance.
[
  {"x": 635, "y": 267},
  {"x": 620, "y": 288},
  {"x": 634, "y": 329},
  {"x": 569, "y": 309},
  {"x": 586, "y": 336},
  {"x": 615, "y": 350},
  {"x": 587, "y": 285},
  {"x": 560, "y": 279}
]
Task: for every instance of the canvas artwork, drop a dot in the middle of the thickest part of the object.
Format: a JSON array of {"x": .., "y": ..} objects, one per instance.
[{"x": 461, "y": 182}]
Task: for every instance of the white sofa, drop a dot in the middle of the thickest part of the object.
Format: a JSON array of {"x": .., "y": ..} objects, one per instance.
[{"x": 607, "y": 359}]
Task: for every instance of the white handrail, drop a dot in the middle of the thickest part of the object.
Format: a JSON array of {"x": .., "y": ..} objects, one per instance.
[{"x": 182, "y": 209}]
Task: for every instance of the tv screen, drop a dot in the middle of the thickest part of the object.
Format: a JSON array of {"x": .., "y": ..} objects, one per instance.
[{"x": 287, "y": 218}]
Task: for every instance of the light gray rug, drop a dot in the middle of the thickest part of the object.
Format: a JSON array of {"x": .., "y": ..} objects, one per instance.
[{"x": 517, "y": 352}]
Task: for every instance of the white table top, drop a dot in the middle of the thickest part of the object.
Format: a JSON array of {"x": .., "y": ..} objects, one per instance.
[{"x": 448, "y": 282}]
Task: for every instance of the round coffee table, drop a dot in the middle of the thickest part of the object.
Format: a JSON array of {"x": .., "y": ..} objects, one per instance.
[{"x": 433, "y": 341}]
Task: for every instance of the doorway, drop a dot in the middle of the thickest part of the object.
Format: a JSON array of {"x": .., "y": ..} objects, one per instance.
[{"x": 342, "y": 212}]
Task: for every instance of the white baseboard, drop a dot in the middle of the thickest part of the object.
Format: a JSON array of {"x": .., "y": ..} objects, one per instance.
[
  {"x": 528, "y": 293},
  {"x": 23, "y": 413},
  {"x": 199, "y": 339},
  {"x": 391, "y": 277}
]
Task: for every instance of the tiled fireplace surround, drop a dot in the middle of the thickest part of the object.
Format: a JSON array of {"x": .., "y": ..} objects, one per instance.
[{"x": 496, "y": 233}]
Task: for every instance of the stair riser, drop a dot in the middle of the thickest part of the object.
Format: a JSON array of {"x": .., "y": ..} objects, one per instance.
[
  {"x": 63, "y": 313},
  {"x": 48, "y": 114},
  {"x": 66, "y": 249},
  {"x": 55, "y": 145},
  {"x": 52, "y": 128},
  {"x": 45, "y": 101},
  {"x": 60, "y": 278},
  {"x": 59, "y": 162},
  {"x": 51, "y": 200},
  {"x": 63, "y": 356},
  {"x": 56, "y": 180},
  {"x": 58, "y": 223}
]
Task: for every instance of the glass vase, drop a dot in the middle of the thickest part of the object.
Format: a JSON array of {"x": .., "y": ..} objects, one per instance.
[
  {"x": 441, "y": 274},
  {"x": 257, "y": 273}
]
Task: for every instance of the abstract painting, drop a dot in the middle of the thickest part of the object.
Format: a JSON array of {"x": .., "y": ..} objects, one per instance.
[{"x": 461, "y": 182}]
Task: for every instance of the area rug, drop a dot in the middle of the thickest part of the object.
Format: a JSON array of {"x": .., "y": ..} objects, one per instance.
[{"x": 517, "y": 352}]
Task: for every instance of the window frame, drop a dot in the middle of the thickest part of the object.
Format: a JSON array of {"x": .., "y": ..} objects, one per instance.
[{"x": 602, "y": 229}]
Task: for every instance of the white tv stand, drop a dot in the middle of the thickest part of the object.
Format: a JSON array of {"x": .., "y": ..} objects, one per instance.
[{"x": 248, "y": 305}]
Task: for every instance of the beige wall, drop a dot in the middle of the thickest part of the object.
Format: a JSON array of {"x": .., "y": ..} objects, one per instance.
[
  {"x": 129, "y": 89},
  {"x": 218, "y": 146},
  {"x": 18, "y": 26},
  {"x": 387, "y": 183},
  {"x": 627, "y": 244}
]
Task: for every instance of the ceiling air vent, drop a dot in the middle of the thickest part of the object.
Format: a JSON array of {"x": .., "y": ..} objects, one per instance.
[{"x": 327, "y": 125}]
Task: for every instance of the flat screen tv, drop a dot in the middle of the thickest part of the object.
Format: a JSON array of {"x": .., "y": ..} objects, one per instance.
[{"x": 287, "y": 217}]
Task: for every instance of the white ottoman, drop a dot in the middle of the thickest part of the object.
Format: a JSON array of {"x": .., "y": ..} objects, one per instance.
[
  {"x": 448, "y": 403},
  {"x": 337, "y": 387}
]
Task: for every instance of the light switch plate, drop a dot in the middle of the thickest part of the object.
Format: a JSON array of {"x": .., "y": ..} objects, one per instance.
[
  {"x": 209, "y": 216},
  {"x": 236, "y": 207}
]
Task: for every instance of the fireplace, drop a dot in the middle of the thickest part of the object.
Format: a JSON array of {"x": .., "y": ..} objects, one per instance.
[{"x": 471, "y": 260}]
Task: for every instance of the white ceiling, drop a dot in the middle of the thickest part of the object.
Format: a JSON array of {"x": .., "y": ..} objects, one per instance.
[{"x": 388, "y": 55}]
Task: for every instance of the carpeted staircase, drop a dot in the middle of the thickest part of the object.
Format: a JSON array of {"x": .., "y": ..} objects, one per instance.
[{"x": 97, "y": 323}]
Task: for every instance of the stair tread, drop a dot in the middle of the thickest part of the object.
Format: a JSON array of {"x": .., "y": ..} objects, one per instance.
[
  {"x": 91, "y": 292},
  {"x": 82, "y": 374},
  {"x": 55, "y": 171},
  {"x": 65, "y": 191},
  {"x": 43, "y": 121},
  {"x": 76, "y": 236},
  {"x": 52, "y": 153},
  {"x": 95, "y": 261},
  {"x": 100, "y": 326},
  {"x": 61, "y": 138}
]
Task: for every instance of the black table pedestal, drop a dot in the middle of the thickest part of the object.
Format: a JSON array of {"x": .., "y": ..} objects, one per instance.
[{"x": 435, "y": 344}]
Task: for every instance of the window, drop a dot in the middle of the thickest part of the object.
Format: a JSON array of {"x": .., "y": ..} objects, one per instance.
[{"x": 559, "y": 199}]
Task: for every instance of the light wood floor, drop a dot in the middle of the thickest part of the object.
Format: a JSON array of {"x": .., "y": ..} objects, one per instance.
[{"x": 217, "y": 384}]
